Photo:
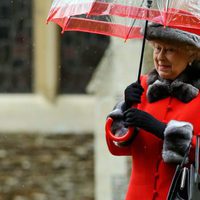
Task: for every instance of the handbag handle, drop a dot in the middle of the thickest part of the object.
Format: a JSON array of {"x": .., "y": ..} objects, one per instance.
[
  {"x": 197, "y": 158},
  {"x": 187, "y": 151},
  {"x": 196, "y": 155}
]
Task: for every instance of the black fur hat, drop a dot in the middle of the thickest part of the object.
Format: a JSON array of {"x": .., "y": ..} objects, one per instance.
[{"x": 157, "y": 31}]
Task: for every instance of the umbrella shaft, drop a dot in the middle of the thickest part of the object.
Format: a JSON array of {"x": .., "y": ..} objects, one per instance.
[
  {"x": 142, "y": 52},
  {"x": 149, "y": 2}
]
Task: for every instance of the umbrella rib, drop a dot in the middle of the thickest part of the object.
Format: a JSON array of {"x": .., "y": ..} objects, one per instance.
[
  {"x": 133, "y": 24},
  {"x": 149, "y": 2}
]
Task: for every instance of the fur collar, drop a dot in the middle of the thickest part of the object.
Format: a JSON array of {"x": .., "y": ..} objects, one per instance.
[{"x": 185, "y": 87}]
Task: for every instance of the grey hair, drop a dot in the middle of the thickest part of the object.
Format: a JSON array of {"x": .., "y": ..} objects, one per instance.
[{"x": 189, "y": 49}]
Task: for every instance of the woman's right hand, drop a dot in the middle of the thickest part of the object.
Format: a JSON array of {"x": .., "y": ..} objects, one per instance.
[{"x": 132, "y": 94}]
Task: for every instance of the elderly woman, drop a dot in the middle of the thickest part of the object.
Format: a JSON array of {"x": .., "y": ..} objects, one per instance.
[{"x": 164, "y": 111}]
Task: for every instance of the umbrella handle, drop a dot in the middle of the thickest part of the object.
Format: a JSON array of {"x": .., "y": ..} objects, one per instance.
[{"x": 109, "y": 133}]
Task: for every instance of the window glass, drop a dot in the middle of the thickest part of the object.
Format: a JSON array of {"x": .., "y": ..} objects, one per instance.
[
  {"x": 80, "y": 55},
  {"x": 15, "y": 46}
]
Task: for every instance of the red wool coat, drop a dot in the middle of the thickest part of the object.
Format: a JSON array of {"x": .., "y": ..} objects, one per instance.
[{"x": 151, "y": 176}]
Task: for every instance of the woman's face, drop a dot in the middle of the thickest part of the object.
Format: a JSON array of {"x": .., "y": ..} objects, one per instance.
[{"x": 169, "y": 59}]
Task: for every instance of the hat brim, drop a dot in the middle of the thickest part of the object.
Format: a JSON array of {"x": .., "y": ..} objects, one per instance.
[{"x": 159, "y": 32}]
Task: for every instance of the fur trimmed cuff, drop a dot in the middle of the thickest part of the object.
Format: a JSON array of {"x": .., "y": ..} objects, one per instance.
[
  {"x": 177, "y": 137},
  {"x": 117, "y": 111},
  {"x": 117, "y": 115}
]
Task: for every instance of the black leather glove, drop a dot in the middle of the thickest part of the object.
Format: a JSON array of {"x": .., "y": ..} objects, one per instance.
[
  {"x": 141, "y": 119},
  {"x": 132, "y": 94}
]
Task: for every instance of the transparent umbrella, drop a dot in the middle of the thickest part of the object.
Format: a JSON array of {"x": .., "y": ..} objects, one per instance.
[
  {"x": 126, "y": 19},
  {"x": 117, "y": 17}
]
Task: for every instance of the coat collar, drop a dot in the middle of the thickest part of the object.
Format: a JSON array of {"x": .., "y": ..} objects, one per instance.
[{"x": 185, "y": 88}]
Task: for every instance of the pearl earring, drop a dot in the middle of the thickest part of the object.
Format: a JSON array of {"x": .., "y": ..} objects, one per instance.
[{"x": 190, "y": 63}]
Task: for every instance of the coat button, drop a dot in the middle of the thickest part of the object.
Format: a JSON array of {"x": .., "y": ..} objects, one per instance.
[
  {"x": 155, "y": 193},
  {"x": 156, "y": 175},
  {"x": 169, "y": 108}
]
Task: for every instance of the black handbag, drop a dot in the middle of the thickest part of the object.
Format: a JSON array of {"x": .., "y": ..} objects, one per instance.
[{"x": 186, "y": 181}]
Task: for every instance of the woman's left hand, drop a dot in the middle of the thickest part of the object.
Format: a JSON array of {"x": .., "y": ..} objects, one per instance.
[{"x": 138, "y": 118}]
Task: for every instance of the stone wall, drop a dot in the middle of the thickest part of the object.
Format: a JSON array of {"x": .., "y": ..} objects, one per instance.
[{"x": 46, "y": 167}]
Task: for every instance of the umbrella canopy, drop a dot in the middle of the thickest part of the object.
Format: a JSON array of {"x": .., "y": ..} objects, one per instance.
[
  {"x": 88, "y": 16},
  {"x": 124, "y": 18}
]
